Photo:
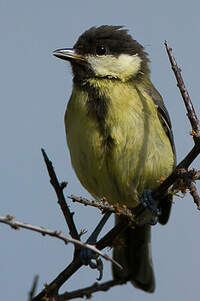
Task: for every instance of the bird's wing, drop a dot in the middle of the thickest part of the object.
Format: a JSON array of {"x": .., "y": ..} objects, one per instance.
[
  {"x": 166, "y": 202},
  {"x": 162, "y": 114}
]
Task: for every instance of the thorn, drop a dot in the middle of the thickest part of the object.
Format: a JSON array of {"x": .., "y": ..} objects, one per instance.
[{"x": 63, "y": 185}]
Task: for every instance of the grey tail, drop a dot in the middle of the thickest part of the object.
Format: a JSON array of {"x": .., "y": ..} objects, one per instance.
[{"x": 133, "y": 252}]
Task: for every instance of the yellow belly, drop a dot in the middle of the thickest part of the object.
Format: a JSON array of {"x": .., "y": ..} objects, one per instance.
[{"x": 141, "y": 153}]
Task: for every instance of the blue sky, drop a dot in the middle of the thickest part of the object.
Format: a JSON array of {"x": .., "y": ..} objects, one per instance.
[{"x": 35, "y": 88}]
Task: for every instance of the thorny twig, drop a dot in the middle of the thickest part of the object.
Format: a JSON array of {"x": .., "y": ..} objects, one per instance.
[
  {"x": 9, "y": 220},
  {"x": 61, "y": 199},
  {"x": 53, "y": 287},
  {"x": 104, "y": 206},
  {"x": 88, "y": 291},
  {"x": 185, "y": 95},
  {"x": 33, "y": 288}
]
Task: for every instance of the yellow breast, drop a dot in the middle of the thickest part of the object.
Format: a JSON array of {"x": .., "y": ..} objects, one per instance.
[{"x": 140, "y": 154}]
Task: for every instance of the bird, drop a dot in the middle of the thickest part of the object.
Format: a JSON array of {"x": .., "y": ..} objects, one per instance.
[{"x": 119, "y": 136}]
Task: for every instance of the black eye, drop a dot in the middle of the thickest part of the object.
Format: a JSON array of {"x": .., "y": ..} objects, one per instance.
[{"x": 101, "y": 50}]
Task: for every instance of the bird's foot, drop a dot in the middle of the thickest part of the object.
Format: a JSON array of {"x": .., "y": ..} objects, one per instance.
[
  {"x": 147, "y": 212},
  {"x": 88, "y": 256},
  {"x": 148, "y": 202}
]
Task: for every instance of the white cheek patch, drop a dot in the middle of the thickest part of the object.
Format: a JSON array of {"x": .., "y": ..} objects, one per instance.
[{"x": 123, "y": 67}]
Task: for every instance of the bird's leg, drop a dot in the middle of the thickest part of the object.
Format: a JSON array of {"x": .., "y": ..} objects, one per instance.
[
  {"x": 93, "y": 237},
  {"x": 87, "y": 255}
]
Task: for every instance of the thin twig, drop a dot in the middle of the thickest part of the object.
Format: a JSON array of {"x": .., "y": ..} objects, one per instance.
[
  {"x": 103, "y": 205},
  {"x": 9, "y": 220},
  {"x": 61, "y": 199},
  {"x": 185, "y": 95},
  {"x": 195, "y": 123},
  {"x": 88, "y": 291},
  {"x": 195, "y": 195},
  {"x": 52, "y": 288},
  {"x": 33, "y": 288}
]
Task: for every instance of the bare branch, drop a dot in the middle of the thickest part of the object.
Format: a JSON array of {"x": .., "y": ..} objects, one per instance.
[
  {"x": 195, "y": 123},
  {"x": 61, "y": 199},
  {"x": 104, "y": 206},
  {"x": 52, "y": 288},
  {"x": 88, "y": 291},
  {"x": 33, "y": 288},
  {"x": 194, "y": 194},
  {"x": 9, "y": 220},
  {"x": 185, "y": 95}
]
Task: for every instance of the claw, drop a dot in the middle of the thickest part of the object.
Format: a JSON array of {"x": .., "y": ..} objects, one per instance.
[
  {"x": 99, "y": 266},
  {"x": 150, "y": 216},
  {"x": 149, "y": 202},
  {"x": 87, "y": 255}
]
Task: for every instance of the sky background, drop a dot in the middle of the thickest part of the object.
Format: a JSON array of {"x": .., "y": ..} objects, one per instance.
[{"x": 35, "y": 88}]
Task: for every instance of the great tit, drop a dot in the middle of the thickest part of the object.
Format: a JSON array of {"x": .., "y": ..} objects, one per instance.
[{"x": 119, "y": 136}]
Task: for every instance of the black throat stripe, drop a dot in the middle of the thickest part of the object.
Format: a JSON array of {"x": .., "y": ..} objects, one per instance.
[{"x": 97, "y": 106}]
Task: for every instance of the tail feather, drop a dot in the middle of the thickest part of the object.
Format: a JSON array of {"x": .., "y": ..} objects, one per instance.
[{"x": 134, "y": 254}]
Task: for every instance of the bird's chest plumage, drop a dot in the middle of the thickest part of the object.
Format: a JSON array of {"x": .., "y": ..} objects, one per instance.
[{"x": 121, "y": 149}]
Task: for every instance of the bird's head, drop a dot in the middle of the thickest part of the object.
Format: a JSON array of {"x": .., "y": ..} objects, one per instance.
[{"x": 106, "y": 52}]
